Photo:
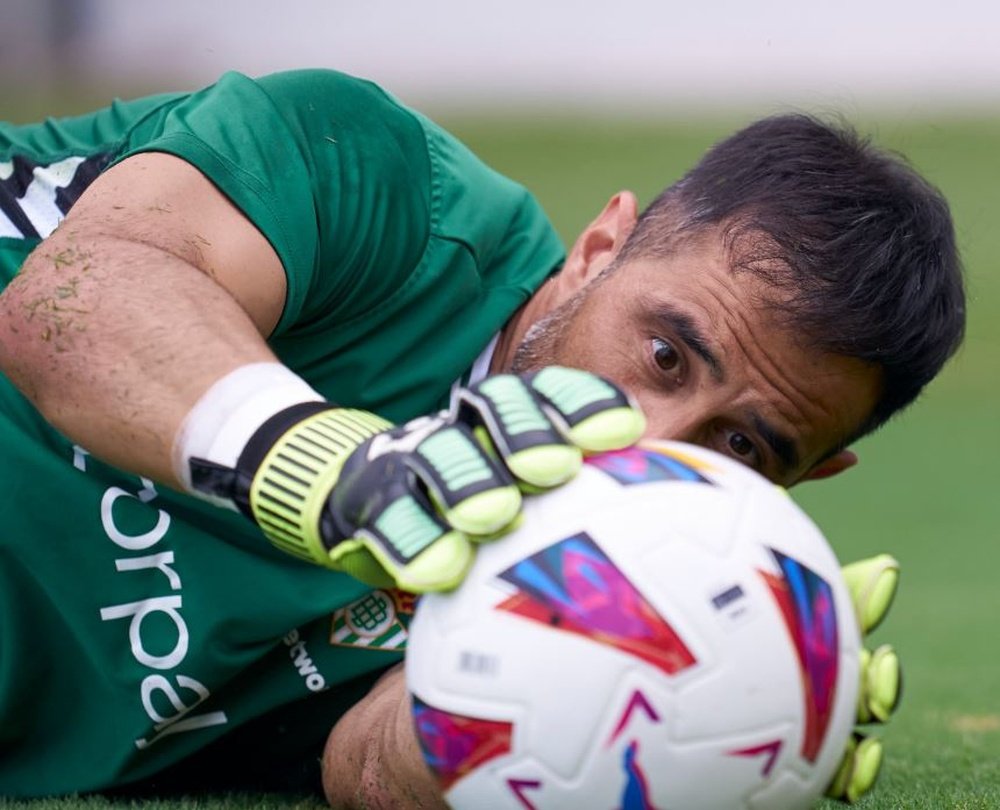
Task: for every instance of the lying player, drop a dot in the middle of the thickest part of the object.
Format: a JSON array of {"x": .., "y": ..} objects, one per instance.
[{"x": 254, "y": 281}]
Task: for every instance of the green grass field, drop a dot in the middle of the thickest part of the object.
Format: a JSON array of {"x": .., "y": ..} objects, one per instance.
[{"x": 927, "y": 488}]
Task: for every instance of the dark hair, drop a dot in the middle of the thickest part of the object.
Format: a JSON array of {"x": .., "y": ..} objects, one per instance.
[{"x": 862, "y": 243}]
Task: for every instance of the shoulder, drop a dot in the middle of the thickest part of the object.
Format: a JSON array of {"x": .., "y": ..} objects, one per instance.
[{"x": 338, "y": 101}]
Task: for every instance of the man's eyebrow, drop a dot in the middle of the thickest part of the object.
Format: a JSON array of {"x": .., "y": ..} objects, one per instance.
[
  {"x": 688, "y": 331},
  {"x": 783, "y": 446}
]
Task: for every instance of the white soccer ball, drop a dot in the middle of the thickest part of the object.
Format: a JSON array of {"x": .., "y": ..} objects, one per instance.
[{"x": 668, "y": 630}]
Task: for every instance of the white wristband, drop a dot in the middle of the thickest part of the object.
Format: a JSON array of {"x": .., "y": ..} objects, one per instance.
[{"x": 221, "y": 423}]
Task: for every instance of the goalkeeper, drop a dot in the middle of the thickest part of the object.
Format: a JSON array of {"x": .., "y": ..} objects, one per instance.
[{"x": 291, "y": 308}]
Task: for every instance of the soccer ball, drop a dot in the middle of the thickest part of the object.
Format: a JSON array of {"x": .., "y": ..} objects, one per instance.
[{"x": 668, "y": 630}]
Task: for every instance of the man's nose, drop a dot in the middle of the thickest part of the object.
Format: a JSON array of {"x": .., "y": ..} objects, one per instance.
[{"x": 677, "y": 424}]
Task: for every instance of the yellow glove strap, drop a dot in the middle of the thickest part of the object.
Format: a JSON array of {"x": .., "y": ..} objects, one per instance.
[{"x": 295, "y": 478}]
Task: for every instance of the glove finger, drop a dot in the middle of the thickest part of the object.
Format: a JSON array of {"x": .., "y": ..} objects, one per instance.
[
  {"x": 384, "y": 530},
  {"x": 520, "y": 430},
  {"x": 378, "y": 555},
  {"x": 872, "y": 584},
  {"x": 881, "y": 685},
  {"x": 596, "y": 414},
  {"x": 473, "y": 492},
  {"x": 501, "y": 532},
  {"x": 858, "y": 770},
  {"x": 352, "y": 557}
]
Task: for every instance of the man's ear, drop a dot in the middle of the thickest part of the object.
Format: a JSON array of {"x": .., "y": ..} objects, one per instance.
[
  {"x": 833, "y": 465},
  {"x": 599, "y": 243}
]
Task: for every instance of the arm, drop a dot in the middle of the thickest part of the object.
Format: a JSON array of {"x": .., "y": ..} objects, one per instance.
[
  {"x": 154, "y": 287},
  {"x": 372, "y": 759},
  {"x": 137, "y": 329}
]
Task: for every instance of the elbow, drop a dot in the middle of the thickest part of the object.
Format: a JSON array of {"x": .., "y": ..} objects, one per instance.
[
  {"x": 372, "y": 759},
  {"x": 45, "y": 313},
  {"x": 350, "y": 778},
  {"x": 19, "y": 340}
]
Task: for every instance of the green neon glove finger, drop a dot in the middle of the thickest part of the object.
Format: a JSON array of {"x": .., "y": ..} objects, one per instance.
[
  {"x": 837, "y": 789},
  {"x": 517, "y": 430},
  {"x": 609, "y": 430},
  {"x": 352, "y": 557},
  {"x": 858, "y": 770},
  {"x": 503, "y": 530},
  {"x": 440, "y": 567},
  {"x": 867, "y": 764},
  {"x": 547, "y": 465},
  {"x": 540, "y": 425},
  {"x": 872, "y": 584},
  {"x": 486, "y": 512},
  {"x": 881, "y": 684},
  {"x": 598, "y": 415}
]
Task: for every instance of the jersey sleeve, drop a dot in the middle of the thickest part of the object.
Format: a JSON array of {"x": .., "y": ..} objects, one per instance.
[
  {"x": 329, "y": 168},
  {"x": 393, "y": 235}
]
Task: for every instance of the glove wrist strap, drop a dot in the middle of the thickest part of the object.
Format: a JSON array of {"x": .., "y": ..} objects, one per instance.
[
  {"x": 222, "y": 421},
  {"x": 262, "y": 441}
]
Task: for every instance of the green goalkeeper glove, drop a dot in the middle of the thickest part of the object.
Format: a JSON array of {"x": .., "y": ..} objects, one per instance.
[
  {"x": 403, "y": 506},
  {"x": 872, "y": 584}
]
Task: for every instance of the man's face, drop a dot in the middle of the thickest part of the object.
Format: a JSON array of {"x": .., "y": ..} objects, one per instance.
[{"x": 691, "y": 340}]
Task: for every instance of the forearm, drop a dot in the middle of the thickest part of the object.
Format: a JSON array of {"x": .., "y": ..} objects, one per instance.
[
  {"x": 114, "y": 340},
  {"x": 372, "y": 758}
]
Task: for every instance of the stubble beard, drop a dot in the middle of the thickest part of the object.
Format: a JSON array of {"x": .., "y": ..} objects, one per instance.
[{"x": 546, "y": 337}]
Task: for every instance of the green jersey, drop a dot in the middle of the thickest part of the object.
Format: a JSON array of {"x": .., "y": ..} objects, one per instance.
[{"x": 139, "y": 626}]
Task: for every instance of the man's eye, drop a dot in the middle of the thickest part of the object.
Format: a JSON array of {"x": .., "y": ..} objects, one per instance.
[
  {"x": 741, "y": 445},
  {"x": 665, "y": 355}
]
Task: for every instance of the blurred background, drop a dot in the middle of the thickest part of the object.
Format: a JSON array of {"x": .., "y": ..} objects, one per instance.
[
  {"x": 580, "y": 99},
  {"x": 590, "y": 55}
]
